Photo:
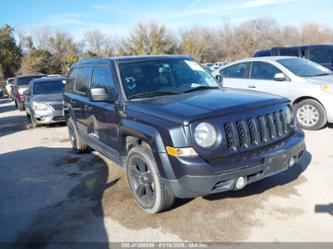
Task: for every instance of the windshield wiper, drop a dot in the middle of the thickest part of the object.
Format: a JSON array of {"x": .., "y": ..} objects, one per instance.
[
  {"x": 199, "y": 88},
  {"x": 151, "y": 94}
]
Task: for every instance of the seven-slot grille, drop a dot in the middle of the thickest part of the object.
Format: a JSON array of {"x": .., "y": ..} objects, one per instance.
[
  {"x": 255, "y": 131},
  {"x": 57, "y": 107}
]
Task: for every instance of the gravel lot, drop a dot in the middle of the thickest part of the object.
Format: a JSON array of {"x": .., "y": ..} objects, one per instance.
[{"x": 50, "y": 194}]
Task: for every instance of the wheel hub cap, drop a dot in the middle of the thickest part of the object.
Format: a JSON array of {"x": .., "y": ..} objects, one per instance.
[{"x": 308, "y": 115}]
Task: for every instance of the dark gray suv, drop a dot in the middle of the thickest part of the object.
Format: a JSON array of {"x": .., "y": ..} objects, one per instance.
[{"x": 174, "y": 130}]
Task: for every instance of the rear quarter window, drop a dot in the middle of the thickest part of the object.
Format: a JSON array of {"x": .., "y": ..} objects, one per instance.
[
  {"x": 71, "y": 80},
  {"x": 235, "y": 71},
  {"x": 83, "y": 80}
]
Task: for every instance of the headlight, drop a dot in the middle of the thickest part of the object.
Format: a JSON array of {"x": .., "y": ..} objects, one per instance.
[
  {"x": 39, "y": 106},
  {"x": 327, "y": 88},
  {"x": 289, "y": 115},
  {"x": 205, "y": 135},
  {"x": 21, "y": 90}
]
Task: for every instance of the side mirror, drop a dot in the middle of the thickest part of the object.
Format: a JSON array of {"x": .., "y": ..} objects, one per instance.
[
  {"x": 279, "y": 77},
  {"x": 219, "y": 78},
  {"x": 101, "y": 95}
]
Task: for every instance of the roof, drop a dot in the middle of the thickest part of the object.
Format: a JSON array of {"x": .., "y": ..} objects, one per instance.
[
  {"x": 48, "y": 79},
  {"x": 29, "y": 75},
  {"x": 131, "y": 58},
  {"x": 264, "y": 58},
  {"x": 307, "y": 46}
]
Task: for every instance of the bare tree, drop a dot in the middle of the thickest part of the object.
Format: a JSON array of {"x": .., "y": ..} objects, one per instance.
[
  {"x": 148, "y": 38},
  {"x": 99, "y": 43},
  {"x": 312, "y": 33},
  {"x": 64, "y": 50},
  {"x": 41, "y": 36},
  {"x": 201, "y": 43}
]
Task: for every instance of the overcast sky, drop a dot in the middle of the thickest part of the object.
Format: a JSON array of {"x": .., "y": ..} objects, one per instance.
[{"x": 119, "y": 16}]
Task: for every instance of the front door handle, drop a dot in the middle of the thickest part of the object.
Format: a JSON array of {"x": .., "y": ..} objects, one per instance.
[
  {"x": 252, "y": 87},
  {"x": 88, "y": 108}
]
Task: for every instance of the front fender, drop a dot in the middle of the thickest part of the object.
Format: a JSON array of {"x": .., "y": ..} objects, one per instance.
[{"x": 152, "y": 137}]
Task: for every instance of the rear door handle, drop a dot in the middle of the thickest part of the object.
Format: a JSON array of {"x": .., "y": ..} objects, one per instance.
[{"x": 252, "y": 87}]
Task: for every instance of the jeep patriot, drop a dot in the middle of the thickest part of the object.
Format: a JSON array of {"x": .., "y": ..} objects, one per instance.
[{"x": 175, "y": 130}]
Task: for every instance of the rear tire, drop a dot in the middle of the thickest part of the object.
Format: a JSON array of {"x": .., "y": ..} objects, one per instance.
[
  {"x": 77, "y": 144},
  {"x": 310, "y": 115},
  {"x": 145, "y": 182}
]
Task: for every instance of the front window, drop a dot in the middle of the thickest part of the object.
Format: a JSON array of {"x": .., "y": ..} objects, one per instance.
[
  {"x": 49, "y": 87},
  {"x": 263, "y": 71},
  {"x": 304, "y": 68},
  {"x": 164, "y": 76}
]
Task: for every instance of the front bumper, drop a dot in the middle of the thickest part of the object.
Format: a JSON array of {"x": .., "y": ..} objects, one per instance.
[
  {"x": 206, "y": 178},
  {"x": 48, "y": 117}
]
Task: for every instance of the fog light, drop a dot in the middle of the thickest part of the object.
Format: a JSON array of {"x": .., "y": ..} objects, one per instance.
[
  {"x": 292, "y": 161},
  {"x": 240, "y": 182}
]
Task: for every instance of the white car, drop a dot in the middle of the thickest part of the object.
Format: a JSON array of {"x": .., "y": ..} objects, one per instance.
[
  {"x": 9, "y": 87},
  {"x": 308, "y": 85}
]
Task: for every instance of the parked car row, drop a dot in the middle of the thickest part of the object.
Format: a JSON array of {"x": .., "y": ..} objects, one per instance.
[{"x": 41, "y": 96}]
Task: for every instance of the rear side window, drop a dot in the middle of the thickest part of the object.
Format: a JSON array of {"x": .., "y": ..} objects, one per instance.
[
  {"x": 101, "y": 78},
  {"x": 235, "y": 71},
  {"x": 289, "y": 51},
  {"x": 83, "y": 80},
  {"x": 26, "y": 80},
  {"x": 71, "y": 79},
  {"x": 321, "y": 55},
  {"x": 263, "y": 71}
]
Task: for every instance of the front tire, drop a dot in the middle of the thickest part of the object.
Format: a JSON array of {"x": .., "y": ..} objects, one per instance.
[
  {"x": 32, "y": 120},
  {"x": 310, "y": 114},
  {"x": 77, "y": 144},
  {"x": 145, "y": 182},
  {"x": 20, "y": 106}
]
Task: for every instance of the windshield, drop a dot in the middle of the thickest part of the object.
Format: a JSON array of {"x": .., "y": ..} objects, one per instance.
[
  {"x": 304, "y": 68},
  {"x": 165, "y": 76},
  {"x": 10, "y": 81},
  {"x": 48, "y": 87},
  {"x": 26, "y": 80}
]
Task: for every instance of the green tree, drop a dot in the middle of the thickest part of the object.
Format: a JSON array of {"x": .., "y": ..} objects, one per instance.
[
  {"x": 10, "y": 53},
  {"x": 148, "y": 38}
]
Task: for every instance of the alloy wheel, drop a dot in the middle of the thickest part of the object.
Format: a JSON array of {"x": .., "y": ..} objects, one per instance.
[{"x": 142, "y": 181}]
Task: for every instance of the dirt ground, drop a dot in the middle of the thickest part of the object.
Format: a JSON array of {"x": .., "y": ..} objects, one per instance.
[{"x": 49, "y": 194}]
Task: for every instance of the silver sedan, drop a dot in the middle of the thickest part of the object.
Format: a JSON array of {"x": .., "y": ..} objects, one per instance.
[{"x": 308, "y": 85}]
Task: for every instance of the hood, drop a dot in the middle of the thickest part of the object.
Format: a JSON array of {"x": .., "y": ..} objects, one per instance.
[
  {"x": 49, "y": 98},
  {"x": 326, "y": 79},
  {"x": 185, "y": 108}
]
